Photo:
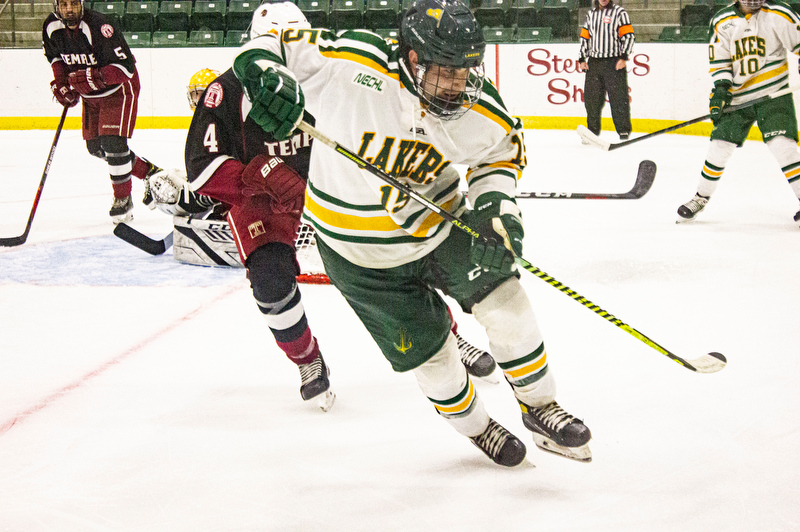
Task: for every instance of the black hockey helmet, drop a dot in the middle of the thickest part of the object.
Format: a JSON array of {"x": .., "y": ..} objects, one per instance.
[
  {"x": 448, "y": 43},
  {"x": 71, "y": 21},
  {"x": 444, "y": 32}
]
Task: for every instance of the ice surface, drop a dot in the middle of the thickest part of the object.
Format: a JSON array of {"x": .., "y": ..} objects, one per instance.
[{"x": 137, "y": 393}]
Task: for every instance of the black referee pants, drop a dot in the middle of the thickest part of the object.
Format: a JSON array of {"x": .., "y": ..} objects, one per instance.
[{"x": 603, "y": 78}]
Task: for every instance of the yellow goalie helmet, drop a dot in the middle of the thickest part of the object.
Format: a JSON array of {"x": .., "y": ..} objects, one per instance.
[{"x": 198, "y": 83}]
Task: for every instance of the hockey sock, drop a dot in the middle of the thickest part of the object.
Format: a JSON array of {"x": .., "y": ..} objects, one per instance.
[
  {"x": 122, "y": 190},
  {"x": 271, "y": 269},
  {"x": 785, "y": 152},
  {"x": 516, "y": 342},
  {"x": 444, "y": 381},
  {"x": 719, "y": 152}
]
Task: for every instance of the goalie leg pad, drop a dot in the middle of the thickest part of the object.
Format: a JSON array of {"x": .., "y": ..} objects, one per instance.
[{"x": 204, "y": 242}]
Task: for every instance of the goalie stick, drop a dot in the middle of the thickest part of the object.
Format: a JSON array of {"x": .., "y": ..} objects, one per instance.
[
  {"x": 142, "y": 241},
  {"x": 605, "y": 145},
  {"x": 644, "y": 180},
  {"x": 19, "y": 240},
  {"x": 708, "y": 363}
]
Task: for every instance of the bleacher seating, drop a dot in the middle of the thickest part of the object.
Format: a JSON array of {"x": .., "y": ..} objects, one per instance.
[
  {"x": 138, "y": 39},
  {"x": 206, "y": 38},
  {"x": 698, "y": 34},
  {"x": 695, "y": 15},
  {"x": 165, "y": 39},
  {"x": 316, "y": 11},
  {"x": 209, "y": 14},
  {"x": 236, "y": 37},
  {"x": 534, "y": 35},
  {"x": 559, "y": 18},
  {"x": 113, "y": 10},
  {"x": 498, "y": 35},
  {"x": 346, "y": 14},
  {"x": 671, "y": 34},
  {"x": 387, "y": 33},
  {"x": 140, "y": 15},
  {"x": 381, "y": 14},
  {"x": 522, "y": 13},
  {"x": 240, "y": 13},
  {"x": 174, "y": 15},
  {"x": 492, "y": 13}
]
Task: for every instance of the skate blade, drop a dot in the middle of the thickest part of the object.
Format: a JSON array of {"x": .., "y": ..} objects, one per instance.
[
  {"x": 579, "y": 454},
  {"x": 123, "y": 218},
  {"x": 491, "y": 378},
  {"x": 325, "y": 400}
]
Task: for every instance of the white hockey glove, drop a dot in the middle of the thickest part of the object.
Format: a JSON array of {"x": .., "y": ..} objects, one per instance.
[{"x": 171, "y": 195}]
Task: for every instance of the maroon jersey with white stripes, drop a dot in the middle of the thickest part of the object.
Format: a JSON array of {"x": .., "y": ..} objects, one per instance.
[
  {"x": 222, "y": 140},
  {"x": 96, "y": 42}
]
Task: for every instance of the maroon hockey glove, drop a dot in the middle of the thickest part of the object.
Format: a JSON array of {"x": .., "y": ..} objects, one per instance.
[
  {"x": 64, "y": 95},
  {"x": 87, "y": 81},
  {"x": 271, "y": 176}
]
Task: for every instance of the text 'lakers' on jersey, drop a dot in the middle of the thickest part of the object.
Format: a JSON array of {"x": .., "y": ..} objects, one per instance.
[
  {"x": 750, "y": 51},
  {"x": 364, "y": 98}
]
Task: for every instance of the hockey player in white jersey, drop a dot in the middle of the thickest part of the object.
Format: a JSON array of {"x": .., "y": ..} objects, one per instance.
[
  {"x": 414, "y": 109},
  {"x": 748, "y": 58}
]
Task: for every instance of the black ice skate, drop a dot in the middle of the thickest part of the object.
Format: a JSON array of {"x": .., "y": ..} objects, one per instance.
[
  {"x": 314, "y": 382},
  {"x": 152, "y": 170},
  {"x": 500, "y": 445},
  {"x": 478, "y": 362},
  {"x": 556, "y": 431},
  {"x": 121, "y": 210},
  {"x": 797, "y": 218},
  {"x": 689, "y": 210}
]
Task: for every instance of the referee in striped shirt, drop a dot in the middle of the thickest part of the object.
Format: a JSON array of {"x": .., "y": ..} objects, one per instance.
[{"x": 606, "y": 42}]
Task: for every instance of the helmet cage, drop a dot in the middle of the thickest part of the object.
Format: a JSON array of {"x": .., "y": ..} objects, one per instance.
[
  {"x": 753, "y": 5},
  {"x": 71, "y": 22},
  {"x": 434, "y": 85}
]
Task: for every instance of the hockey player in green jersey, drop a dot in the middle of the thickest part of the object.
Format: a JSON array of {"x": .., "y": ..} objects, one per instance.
[
  {"x": 415, "y": 109},
  {"x": 748, "y": 57}
]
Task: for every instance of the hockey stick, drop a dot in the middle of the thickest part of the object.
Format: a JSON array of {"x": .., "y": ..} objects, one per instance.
[
  {"x": 644, "y": 180},
  {"x": 19, "y": 240},
  {"x": 596, "y": 141},
  {"x": 708, "y": 363},
  {"x": 142, "y": 241}
]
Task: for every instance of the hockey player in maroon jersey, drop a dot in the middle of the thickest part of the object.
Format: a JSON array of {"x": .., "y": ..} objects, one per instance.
[
  {"x": 92, "y": 62},
  {"x": 231, "y": 159}
]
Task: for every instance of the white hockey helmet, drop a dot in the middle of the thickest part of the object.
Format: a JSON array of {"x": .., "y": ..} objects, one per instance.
[{"x": 272, "y": 18}]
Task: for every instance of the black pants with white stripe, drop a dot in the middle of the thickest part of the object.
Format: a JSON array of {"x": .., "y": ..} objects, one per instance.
[{"x": 603, "y": 78}]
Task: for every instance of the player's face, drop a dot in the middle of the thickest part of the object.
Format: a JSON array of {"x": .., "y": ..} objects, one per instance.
[
  {"x": 445, "y": 84},
  {"x": 70, "y": 12},
  {"x": 750, "y": 6}
]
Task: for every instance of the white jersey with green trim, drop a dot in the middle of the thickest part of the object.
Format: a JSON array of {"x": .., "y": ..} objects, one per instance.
[
  {"x": 750, "y": 51},
  {"x": 363, "y": 97}
]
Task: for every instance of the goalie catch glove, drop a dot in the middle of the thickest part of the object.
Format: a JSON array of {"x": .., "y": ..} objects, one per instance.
[
  {"x": 277, "y": 99},
  {"x": 498, "y": 218},
  {"x": 271, "y": 176},
  {"x": 720, "y": 98},
  {"x": 171, "y": 194}
]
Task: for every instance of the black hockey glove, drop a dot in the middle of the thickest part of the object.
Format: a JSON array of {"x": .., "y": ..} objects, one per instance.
[
  {"x": 497, "y": 217},
  {"x": 277, "y": 100},
  {"x": 720, "y": 98}
]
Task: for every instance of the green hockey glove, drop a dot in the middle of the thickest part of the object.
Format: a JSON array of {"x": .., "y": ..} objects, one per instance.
[
  {"x": 277, "y": 99},
  {"x": 497, "y": 217},
  {"x": 720, "y": 98}
]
